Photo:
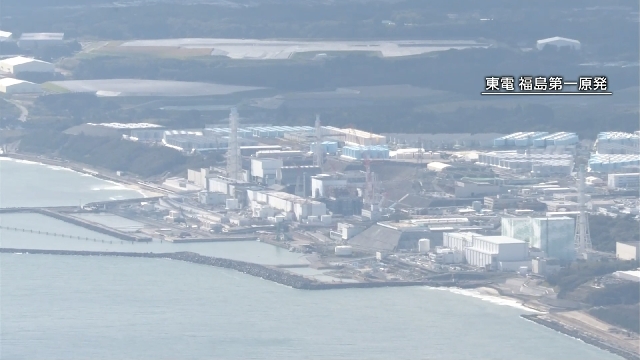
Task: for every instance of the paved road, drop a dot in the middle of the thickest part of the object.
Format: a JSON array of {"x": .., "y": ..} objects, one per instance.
[{"x": 24, "y": 113}]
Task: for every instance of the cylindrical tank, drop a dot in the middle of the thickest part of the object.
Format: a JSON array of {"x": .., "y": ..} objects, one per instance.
[
  {"x": 424, "y": 245},
  {"x": 344, "y": 250},
  {"x": 477, "y": 206},
  {"x": 232, "y": 204}
]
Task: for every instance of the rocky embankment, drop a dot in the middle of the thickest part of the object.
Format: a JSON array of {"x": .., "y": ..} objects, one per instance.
[
  {"x": 582, "y": 336},
  {"x": 265, "y": 272}
]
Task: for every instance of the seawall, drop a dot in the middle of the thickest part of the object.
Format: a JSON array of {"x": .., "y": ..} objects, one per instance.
[
  {"x": 78, "y": 222},
  {"x": 581, "y": 336},
  {"x": 264, "y": 272}
]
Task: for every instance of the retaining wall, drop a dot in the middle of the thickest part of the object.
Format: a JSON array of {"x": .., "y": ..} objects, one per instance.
[{"x": 268, "y": 273}]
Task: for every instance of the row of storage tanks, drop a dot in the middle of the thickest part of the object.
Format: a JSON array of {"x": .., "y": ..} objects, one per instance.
[
  {"x": 612, "y": 162},
  {"x": 328, "y": 147},
  {"x": 263, "y": 131},
  {"x": 536, "y": 139}
]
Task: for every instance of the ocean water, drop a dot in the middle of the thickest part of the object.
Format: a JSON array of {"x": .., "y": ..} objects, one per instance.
[{"x": 73, "y": 307}]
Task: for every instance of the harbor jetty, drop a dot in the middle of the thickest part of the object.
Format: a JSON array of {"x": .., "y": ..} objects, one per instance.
[
  {"x": 270, "y": 273},
  {"x": 64, "y": 213}
]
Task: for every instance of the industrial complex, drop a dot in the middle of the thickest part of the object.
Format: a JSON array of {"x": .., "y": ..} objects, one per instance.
[{"x": 519, "y": 205}]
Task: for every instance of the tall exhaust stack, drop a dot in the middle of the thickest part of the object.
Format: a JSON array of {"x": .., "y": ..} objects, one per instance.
[
  {"x": 582, "y": 237},
  {"x": 318, "y": 148},
  {"x": 234, "y": 160}
]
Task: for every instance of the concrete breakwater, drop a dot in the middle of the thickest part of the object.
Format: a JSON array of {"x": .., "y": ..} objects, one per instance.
[
  {"x": 82, "y": 223},
  {"x": 581, "y": 336},
  {"x": 265, "y": 272}
]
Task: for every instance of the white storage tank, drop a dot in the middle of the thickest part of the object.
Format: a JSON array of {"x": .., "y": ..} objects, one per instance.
[
  {"x": 344, "y": 250},
  {"x": 232, "y": 204},
  {"x": 424, "y": 245}
]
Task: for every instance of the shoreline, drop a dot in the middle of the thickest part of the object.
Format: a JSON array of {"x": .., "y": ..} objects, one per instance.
[
  {"x": 270, "y": 273},
  {"x": 76, "y": 167},
  {"x": 580, "y": 335},
  {"x": 300, "y": 282}
]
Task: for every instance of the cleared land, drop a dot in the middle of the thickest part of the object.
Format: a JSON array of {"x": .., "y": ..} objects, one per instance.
[
  {"x": 92, "y": 49},
  {"x": 136, "y": 87},
  {"x": 283, "y": 49}
]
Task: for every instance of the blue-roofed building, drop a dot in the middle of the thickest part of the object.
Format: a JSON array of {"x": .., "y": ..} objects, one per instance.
[
  {"x": 328, "y": 147},
  {"x": 362, "y": 152}
]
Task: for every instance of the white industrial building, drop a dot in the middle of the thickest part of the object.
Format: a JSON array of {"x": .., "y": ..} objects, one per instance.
[
  {"x": 15, "y": 86},
  {"x": 558, "y": 42},
  {"x": 623, "y": 181},
  {"x": 474, "y": 189},
  {"x": 553, "y": 235},
  {"x": 322, "y": 184},
  {"x": 458, "y": 241},
  {"x": 199, "y": 177},
  {"x": 355, "y": 136},
  {"x": 618, "y": 143},
  {"x": 540, "y": 164},
  {"x": 211, "y": 198},
  {"x": 191, "y": 141},
  {"x": 499, "y": 252},
  {"x": 628, "y": 250},
  {"x": 414, "y": 153},
  {"x": 235, "y": 189},
  {"x": 265, "y": 170},
  {"x": 301, "y": 207},
  {"x": 32, "y": 41},
  {"x": 5, "y": 36},
  {"x": 21, "y": 64},
  {"x": 633, "y": 275},
  {"x": 346, "y": 231}
]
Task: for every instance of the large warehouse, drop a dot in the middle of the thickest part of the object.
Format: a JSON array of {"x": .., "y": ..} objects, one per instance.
[
  {"x": 40, "y": 40},
  {"x": 558, "y": 42},
  {"x": 5, "y": 35},
  {"x": 15, "y": 86},
  {"x": 501, "y": 252},
  {"x": 20, "y": 64}
]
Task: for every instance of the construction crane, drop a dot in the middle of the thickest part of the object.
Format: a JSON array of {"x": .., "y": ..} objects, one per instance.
[{"x": 392, "y": 206}]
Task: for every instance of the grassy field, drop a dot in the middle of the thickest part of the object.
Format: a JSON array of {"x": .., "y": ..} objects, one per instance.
[
  {"x": 136, "y": 87},
  {"x": 53, "y": 88},
  {"x": 113, "y": 48}
]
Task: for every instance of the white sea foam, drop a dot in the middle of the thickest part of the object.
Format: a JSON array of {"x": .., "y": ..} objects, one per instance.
[
  {"x": 109, "y": 188},
  {"x": 498, "y": 300},
  {"x": 53, "y": 167}
]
